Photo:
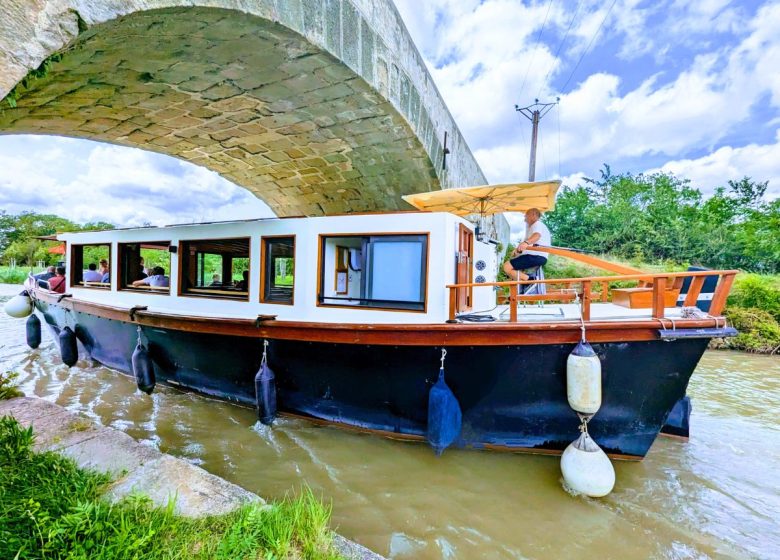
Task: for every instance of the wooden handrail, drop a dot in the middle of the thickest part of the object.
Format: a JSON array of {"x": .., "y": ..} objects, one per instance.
[
  {"x": 642, "y": 276},
  {"x": 660, "y": 281},
  {"x": 588, "y": 259}
]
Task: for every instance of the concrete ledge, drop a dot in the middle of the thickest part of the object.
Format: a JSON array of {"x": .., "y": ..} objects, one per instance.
[{"x": 138, "y": 468}]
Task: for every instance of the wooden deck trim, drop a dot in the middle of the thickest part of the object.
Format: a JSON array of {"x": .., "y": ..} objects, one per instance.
[{"x": 437, "y": 334}]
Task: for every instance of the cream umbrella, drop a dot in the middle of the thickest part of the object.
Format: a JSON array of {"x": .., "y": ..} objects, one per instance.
[{"x": 488, "y": 199}]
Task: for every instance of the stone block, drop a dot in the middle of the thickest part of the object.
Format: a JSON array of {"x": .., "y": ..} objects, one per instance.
[
  {"x": 221, "y": 91},
  {"x": 99, "y": 125},
  {"x": 350, "y": 36},
  {"x": 333, "y": 26},
  {"x": 290, "y": 13},
  {"x": 367, "y": 38},
  {"x": 314, "y": 19},
  {"x": 197, "y": 493}
]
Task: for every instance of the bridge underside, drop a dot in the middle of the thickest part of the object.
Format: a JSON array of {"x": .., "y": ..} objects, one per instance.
[{"x": 238, "y": 94}]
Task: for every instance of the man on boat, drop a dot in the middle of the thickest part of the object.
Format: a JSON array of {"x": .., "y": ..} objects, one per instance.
[
  {"x": 46, "y": 275},
  {"x": 157, "y": 279},
  {"x": 57, "y": 284},
  {"x": 536, "y": 233},
  {"x": 92, "y": 274}
]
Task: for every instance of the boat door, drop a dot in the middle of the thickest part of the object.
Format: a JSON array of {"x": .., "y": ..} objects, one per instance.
[{"x": 463, "y": 267}]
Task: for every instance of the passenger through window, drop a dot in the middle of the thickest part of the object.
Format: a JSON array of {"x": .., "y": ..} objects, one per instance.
[
  {"x": 90, "y": 266},
  {"x": 216, "y": 268},
  {"x": 145, "y": 267}
]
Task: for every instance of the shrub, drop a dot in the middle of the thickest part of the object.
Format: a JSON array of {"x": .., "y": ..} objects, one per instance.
[
  {"x": 758, "y": 331},
  {"x": 759, "y": 292},
  {"x": 8, "y": 388}
]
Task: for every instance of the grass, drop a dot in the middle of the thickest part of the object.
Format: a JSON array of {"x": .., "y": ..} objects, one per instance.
[
  {"x": 52, "y": 509},
  {"x": 16, "y": 275},
  {"x": 8, "y": 388}
]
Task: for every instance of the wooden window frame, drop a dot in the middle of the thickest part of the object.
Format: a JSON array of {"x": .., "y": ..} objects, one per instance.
[
  {"x": 263, "y": 271},
  {"x": 120, "y": 256},
  {"x": 80, "y": 261},
  {"x": 321, "y": 253},
  {"x": 180, "y": 252}
]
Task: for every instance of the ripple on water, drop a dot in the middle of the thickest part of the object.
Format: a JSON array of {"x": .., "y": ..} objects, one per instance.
[{"x": 714, "y": 497}]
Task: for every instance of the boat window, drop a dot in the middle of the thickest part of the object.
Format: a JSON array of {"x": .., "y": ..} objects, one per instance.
[
  {"x": 374, "y": 271},
  {"x": 89, "y": 266},
  {"x": 278, "y": 274},
  {"x": 215, "y": 268},
  {"x": 145, "y": 267}
]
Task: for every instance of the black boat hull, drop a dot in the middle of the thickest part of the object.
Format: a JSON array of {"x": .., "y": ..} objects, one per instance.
[{"x": 513, "y": 397}]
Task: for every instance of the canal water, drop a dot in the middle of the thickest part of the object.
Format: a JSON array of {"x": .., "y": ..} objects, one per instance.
[{"x": 717, "y": 496}]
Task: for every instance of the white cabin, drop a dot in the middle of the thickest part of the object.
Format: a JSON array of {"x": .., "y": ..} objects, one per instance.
[{"x": 368, "y": 268}]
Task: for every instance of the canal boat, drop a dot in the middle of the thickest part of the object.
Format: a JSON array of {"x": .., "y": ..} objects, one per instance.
[{"x": 352, "y": 314}]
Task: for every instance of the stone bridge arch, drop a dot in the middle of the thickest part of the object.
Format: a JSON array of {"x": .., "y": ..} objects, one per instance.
[{"x": 315, "y": 106}]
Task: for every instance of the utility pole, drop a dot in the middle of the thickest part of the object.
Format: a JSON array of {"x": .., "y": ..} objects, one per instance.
[{"x": 535, "y": 113}]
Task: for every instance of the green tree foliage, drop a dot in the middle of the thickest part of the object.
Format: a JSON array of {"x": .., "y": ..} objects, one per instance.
[
  {"x": 662, "y": 217},
  {"x": 18, "y": 235}
]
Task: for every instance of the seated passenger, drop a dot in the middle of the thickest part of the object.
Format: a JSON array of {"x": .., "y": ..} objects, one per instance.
[
  {"x": 242, "y": 285},
  {"x": 49, "y": 273},
  {"x": 91, "y": 274},
  {"x": 536, "y": 233},
  {"x": 57, "y": 284},
  {"x": 157, "y": 278},
  {"x": 103, "y": 268},
  {"x": 42, "y": 279},
  {"x": 215, "y": 281},
  {"x": 106, "y": 278}
]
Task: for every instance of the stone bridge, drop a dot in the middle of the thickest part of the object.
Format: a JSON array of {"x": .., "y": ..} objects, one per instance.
[{"x": 315, "y": 106}]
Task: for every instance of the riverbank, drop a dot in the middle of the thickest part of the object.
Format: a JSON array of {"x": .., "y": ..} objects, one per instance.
[{"x": 96, "y": 492}]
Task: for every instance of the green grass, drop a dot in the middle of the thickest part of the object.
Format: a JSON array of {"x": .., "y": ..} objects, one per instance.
[
  {"x": 280, "y": 280},
  {"x": 52, "y": 509},
  {"x": 13, "y": 276},
  {"x": 8, "y": 388}
]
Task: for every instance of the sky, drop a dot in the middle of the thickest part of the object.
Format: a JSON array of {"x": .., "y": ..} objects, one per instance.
[{"x": 688, "y": 87}]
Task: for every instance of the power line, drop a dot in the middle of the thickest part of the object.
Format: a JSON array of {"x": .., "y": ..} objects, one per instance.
[
  {"x": 536, "y": 48},
  {"x": 563, "y": 89},
  {"x": 560, "y": 46}
]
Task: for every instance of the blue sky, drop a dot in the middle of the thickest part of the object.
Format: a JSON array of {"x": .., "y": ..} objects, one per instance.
[{"x": 687, "y": 87}]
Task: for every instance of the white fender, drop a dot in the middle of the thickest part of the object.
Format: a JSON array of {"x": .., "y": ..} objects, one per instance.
[
  {"x": 19, "y": 306},
  {"x": 587, "y": 469},
  {"x": 583, "y": 379}
]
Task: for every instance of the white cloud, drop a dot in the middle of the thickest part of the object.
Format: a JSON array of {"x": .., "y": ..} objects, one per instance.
[
  {"x": 758, "y": 161},
  {"x": 481, "y": 52},
  {"x": 88, "y": 181}
]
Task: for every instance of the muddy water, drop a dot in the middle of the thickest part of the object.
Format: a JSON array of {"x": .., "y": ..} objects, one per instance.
[{"x": 717, "y": 496}]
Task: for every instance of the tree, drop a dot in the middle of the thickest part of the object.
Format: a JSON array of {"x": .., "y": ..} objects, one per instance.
[
  {"x": 18, "y": 235},
  {"x": 662, "y": 217}
]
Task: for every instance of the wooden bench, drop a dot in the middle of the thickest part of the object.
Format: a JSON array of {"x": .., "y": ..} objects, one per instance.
[{"x": 642, "y": 298}]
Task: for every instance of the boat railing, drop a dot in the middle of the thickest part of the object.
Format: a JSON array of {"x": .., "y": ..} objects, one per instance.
[{"x": 590, "y": 288}]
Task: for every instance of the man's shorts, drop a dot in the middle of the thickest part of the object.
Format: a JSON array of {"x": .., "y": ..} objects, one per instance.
[{"x": 524, "y": 262}]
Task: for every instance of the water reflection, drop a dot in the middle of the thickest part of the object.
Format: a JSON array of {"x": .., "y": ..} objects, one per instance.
[{"x": 714, "y": 497}]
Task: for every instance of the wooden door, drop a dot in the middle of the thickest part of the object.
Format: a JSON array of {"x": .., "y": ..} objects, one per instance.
[{"x": 463, "y": 269}]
